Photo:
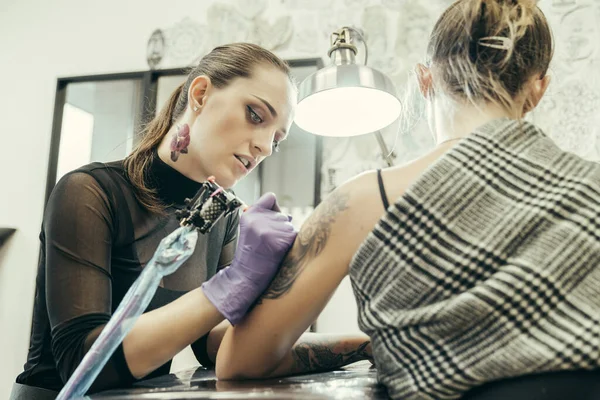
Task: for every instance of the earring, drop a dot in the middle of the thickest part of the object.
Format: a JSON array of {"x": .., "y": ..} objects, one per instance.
[{"x": 195, "y": 108}]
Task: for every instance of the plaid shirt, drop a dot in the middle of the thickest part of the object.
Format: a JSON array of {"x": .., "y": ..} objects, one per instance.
[{"x": 487, "y": 267}]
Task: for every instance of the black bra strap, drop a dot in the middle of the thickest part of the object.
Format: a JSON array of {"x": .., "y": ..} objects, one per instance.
[{"x": 384, "y": 198}]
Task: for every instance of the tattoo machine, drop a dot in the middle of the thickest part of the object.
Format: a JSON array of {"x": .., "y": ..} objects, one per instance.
[{"x": 210, "y": 204}]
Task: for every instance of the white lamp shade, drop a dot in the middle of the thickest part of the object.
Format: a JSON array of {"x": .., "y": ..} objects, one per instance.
[{"x": 346, "y": 100}]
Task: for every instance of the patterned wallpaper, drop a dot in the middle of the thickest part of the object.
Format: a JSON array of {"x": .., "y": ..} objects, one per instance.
[{"x": 397, "y": 32}]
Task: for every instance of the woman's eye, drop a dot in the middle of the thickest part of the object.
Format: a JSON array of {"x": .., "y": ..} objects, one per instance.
[{"x": 254, "y": 117}]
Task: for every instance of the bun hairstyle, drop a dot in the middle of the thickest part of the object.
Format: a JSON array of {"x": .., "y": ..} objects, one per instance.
[{"x": 484, "y": 51}]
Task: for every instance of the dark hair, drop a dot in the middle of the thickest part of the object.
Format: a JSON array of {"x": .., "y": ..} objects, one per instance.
[
  {"x": 221, "y": 65},
  {"x": 468, "y": 70}
]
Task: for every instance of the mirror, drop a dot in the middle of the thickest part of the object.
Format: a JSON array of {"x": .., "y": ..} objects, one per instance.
[{"x": 98, "y": 123}]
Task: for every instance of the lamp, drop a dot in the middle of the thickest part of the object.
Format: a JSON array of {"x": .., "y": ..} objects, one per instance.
[{"x": 345, "y": 98}]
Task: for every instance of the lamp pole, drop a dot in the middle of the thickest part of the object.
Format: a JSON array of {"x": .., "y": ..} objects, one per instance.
[{"x": 388, "y": 157}]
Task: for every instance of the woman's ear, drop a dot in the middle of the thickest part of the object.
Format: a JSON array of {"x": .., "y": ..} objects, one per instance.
[
  {"x": 199, "y": 89},
  {"x": 425, "y": 80},
  {"x": 537, "y": 89}
]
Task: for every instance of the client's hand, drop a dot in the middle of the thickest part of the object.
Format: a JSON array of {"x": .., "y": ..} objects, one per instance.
[{"x": 266, "y": 235}]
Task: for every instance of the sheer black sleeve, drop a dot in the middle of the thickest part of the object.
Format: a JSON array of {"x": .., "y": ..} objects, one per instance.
[
  {"x": 201, "y": 352},
  {"x": 230, "y": 241},
  {"x": 79, "y": 223},
  {"x": 227, "y": 252}
]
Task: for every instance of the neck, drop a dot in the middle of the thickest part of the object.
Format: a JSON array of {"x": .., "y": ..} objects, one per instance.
[
  {"x": 171, "y": 187},
  {"x": 185, "y": 164},
  {"x": 451, "y": 122}
]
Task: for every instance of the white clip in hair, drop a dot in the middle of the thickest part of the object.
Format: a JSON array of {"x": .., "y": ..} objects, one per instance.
[{"x": 496, "y": 42}]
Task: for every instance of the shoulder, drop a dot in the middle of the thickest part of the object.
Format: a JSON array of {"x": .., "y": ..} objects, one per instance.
[
  {"x": 104, "y": 172},
  {"x": 91, "y": 183},
  {"x": 348, "y": 214},
  {"x": 344, "y": 218},
  {"x": 358, "y": 205},
  {"x": 105, "y": 175},
  {"x": 365, "y": 194}
]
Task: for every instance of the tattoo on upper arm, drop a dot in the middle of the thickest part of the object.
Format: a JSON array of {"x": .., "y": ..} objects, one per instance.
[
  {"x": 311, "y": 240},
  {"x": 321, "y": 357}
]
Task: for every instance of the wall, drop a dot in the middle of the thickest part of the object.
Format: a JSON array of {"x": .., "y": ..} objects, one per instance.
[
  {"x": 43, "y": 40},
  {"x": 397, "y": 33},
  {"x": 40, "y": 42}
]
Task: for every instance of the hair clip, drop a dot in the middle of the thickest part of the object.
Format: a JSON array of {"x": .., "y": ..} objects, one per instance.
[{"x": 496, "y": 42}]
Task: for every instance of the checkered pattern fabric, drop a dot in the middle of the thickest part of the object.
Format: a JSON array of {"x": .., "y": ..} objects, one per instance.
[{"x": 487, "y": 267}]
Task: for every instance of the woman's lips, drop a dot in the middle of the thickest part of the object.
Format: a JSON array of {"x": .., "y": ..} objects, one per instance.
[{"x": 241, "y": 165}]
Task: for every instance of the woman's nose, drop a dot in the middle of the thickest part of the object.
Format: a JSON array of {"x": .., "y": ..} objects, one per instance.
[{"x": 262, "y": 143}]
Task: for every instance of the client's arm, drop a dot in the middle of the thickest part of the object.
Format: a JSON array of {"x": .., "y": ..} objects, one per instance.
[
  {"x": 263, "y": 344},
  {"x": 315, "y": 352}
]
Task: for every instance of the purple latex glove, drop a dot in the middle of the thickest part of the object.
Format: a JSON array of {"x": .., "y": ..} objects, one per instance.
[{"x": 266, "y": 235}]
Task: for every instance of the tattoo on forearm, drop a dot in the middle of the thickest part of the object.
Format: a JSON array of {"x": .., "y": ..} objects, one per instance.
[
  {"x": 311, "y": 240},
  {"x": 319, "y": 357}
]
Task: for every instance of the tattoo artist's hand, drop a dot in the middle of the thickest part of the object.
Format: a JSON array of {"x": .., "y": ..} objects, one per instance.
[{"x": 266, "y": 235}]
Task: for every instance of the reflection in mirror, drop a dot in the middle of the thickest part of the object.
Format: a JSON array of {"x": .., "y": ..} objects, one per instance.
[{"x": 98, "y": 123}]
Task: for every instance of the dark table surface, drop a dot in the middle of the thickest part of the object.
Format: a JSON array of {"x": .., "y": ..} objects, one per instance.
[{"x": 356, "y": 381}]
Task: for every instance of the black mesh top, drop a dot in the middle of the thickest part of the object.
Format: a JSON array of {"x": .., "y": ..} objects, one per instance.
[{"x": 95, "y": 239}]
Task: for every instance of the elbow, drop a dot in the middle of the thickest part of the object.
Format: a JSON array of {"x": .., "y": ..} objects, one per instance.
[
  {"x": 245, "y": 356},
  {"x": 227, "y": 372},
  {"x": 235, "y": 374},
  {"x": 231, "y": 368},
  {"x": 225, "y": 368}
]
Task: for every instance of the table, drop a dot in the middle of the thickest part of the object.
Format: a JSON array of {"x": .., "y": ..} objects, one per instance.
[{"x": 356, "y": 381}]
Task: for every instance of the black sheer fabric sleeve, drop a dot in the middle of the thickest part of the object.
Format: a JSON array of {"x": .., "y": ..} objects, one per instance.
[
  {"x": 201, "y": 352},
  {"x": 230, "y": 241},
  {"x": 227, "y": 253},
  {"x": 79, "y": 224}
]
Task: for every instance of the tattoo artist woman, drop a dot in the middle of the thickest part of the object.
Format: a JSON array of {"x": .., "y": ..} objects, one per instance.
[{"x": 103, "y": 223}]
